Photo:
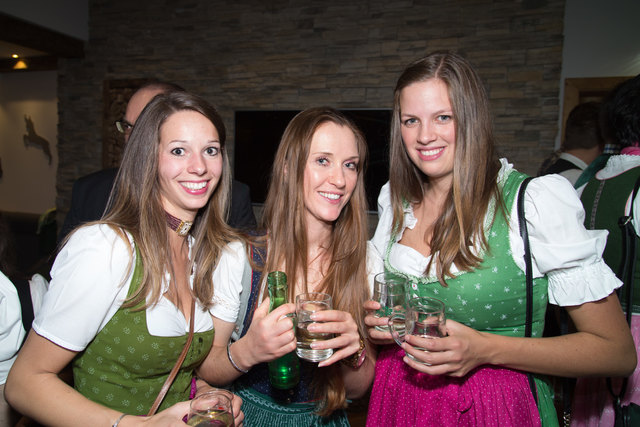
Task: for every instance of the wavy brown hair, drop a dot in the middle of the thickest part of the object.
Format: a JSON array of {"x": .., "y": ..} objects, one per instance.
[
  {"x": 458, "y": 228},
  {"x": 284, "y": 218},
  {"x": 135, "y": 206}
]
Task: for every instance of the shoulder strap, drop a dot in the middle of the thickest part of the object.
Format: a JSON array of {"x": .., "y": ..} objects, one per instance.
[
  {"x": 176, "y": 367},
  {"x": 627, "y": 268},
  {"x": 522, "y": 224},
  {"x": 24, "y": 294}
]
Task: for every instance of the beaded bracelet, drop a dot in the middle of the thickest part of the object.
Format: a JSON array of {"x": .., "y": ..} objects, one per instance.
[
  {"x": 238, "y": 368},
  {"x": 118, "y": 420}
]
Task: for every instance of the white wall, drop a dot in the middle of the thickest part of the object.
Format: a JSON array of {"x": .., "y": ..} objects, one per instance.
[
  {"x": 28, "y": 181},
  {"x": 601, "y": 38}
]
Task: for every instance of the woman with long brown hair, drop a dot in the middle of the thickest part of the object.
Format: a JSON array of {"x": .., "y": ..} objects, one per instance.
[
  {"x": 123, "y": 288},
  {"x": 316, "y": 232},
  {"x": 448, "y": 221}
]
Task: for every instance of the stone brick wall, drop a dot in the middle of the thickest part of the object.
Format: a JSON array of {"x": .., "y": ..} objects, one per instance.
[{"x": 290, "y": 54}]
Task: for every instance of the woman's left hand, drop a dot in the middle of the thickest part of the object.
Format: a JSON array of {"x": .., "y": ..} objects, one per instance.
[
  {"x": 340, "y": 323},
  {"x": 454, "y": 355}
]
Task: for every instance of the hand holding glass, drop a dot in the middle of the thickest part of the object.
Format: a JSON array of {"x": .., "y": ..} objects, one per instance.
[
  {"x": 423, "y": 317},
  {"x": 306, "y": 305},
  {"x": 389, "y": 292},
  {"x": 211, "y": 409}
]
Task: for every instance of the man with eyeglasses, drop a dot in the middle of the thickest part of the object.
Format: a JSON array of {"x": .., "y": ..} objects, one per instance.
[{"x": 90, "y": 193}]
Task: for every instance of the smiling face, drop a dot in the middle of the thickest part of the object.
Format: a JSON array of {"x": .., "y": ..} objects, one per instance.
[
  {"x": 428, "y": 128},
  {"x": 330, "y": 174},
  {"x": 189, "y": 163}
]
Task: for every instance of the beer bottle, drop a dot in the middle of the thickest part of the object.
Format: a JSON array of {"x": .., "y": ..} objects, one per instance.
[{"x": 284, "y": 372}]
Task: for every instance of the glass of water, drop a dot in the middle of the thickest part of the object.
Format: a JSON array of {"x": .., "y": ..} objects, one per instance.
[
  {"x": 389, "y": 291},
  {"x": 423, "y": 317},
  {"x": 306, "y": 305}
]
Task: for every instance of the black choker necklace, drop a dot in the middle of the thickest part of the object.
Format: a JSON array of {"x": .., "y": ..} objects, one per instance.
[{"x": 176, "y": 224}]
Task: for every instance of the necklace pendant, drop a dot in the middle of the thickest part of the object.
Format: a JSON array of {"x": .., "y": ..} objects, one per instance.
[{"x": 183, "y": 228}]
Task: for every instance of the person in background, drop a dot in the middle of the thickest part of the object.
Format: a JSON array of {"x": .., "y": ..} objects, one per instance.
[
  {"x": 611, "y": 146},
  {"x": 90, "y": 193},
  {"x": 606, "y": 198},
  {"x": 123, "y": 288},
  {"x": 19, "y": 299},
  {"x": 448, "y": 221},
  {"x": 582, "y": 143},
  {"x": 316, "y": 232}
]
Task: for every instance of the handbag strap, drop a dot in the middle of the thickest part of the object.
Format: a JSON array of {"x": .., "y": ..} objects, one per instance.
[
  {"x": 626, "y": 274},
  {"x": 522, "y": 224},
  {"x": 176, "y": 367}
]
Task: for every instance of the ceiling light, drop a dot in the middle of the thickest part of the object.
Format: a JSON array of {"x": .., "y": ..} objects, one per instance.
[
  {"x": 15, "y": 56},
  {"x": 20, "y": 65}
]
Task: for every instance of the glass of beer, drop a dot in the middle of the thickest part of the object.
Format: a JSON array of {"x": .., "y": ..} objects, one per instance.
[
  {"x": 423, "y": 317},
  {"x": 306, "y": 305},
  {"x": 389, "y": 291},
  {"x": 211, "y": 409}
]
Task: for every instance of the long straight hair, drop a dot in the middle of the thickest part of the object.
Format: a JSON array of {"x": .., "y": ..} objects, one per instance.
[
  {"x": 135, "y": 205},
  {"x": 284, "y": 218},
  {"x": 458, "y": 228}
]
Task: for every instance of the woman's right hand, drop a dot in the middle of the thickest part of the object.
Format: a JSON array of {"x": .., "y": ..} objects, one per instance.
[
  {"x": 270, "y": 335},
  {"x": 376, "y": 336}
]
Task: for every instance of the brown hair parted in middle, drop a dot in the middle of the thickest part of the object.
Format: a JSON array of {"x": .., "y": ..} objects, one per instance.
[
  {"x": 135, "y": 206},
  {"x": 459, "y": 228},
  {"x": 284, "y": 219}
]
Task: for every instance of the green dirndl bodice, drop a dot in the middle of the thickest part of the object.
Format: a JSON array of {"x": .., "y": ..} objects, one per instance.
[
  {"x": 124, "y": 366},
  {"x": 604, "y": 203},
  {"x": 492, "y": 297}
]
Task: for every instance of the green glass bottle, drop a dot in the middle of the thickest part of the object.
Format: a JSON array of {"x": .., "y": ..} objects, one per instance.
[{"x": 284, "y": 372}]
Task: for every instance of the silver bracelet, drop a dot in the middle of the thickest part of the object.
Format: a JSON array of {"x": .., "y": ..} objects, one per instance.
[
  {"x": 118, "y": 420},
  {"x": 238, "y": 368}
]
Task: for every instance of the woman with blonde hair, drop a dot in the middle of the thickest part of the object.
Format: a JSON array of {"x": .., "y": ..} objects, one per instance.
[
  {"x": 316, "y": 232},
  {"x": 125, "y": 290},
  {"x": 448, "y": 220}
]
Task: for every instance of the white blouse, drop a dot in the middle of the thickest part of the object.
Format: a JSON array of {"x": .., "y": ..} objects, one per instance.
[
  {"x": 11, "y": 331},
  {"x": 230, "y": 271},
  {"x": 561, "y": 247},
  {"x": 89, "y": 282}
]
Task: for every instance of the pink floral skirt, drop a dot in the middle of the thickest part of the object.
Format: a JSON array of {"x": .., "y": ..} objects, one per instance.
[
  {"x": 592, "y": 405},
  {"x": 487, "y": 396}
]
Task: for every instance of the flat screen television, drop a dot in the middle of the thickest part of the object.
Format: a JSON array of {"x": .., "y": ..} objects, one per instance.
[{"x": 258, "y": 133}]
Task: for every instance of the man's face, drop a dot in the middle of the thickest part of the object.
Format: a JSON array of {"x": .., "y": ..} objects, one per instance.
[{"x": 136, "y": 104}]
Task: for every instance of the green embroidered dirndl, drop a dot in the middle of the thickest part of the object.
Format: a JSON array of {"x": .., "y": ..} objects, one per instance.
[
  {"x": 124, "y": 366},
  {"x": 492, "y": 297}
]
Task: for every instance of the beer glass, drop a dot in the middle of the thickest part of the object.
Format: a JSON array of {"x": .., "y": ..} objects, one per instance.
[
  {"x": 211, "y": 409},
  {"x": 423, "y": 317},
  {"x": 389, "y": 290},
  {"x": 306, "y": 305}
]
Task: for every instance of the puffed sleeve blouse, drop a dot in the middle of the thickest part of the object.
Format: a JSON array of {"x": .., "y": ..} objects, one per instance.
[
  {"x": 561, "y": 247},
  {"x": 90, "y": 279}
]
